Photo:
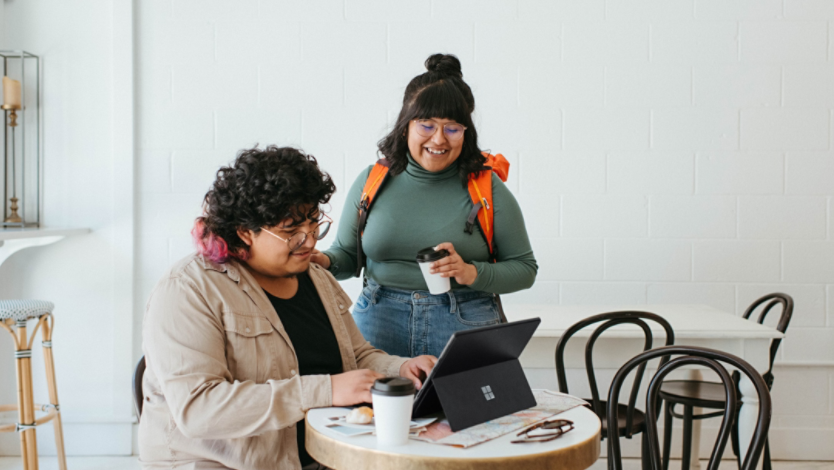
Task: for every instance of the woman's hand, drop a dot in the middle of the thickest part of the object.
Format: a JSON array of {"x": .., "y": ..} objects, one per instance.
[
  {"x": 418, "y": 368},
  {"x": 454, "y": 266},
  {"x": 350, "y": 388},
  {"x": 320, "y": 259}
]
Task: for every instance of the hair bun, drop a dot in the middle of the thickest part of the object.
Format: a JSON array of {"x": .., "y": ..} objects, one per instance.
[{"x": 445, "y": 64}]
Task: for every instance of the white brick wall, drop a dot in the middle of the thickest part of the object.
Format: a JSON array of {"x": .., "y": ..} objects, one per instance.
[
  {"x": 738, "y": 10},
  {"x": 440, "y": 35},
  {"x": 785, "y": 129},
  {"x": 809, "y": 85},
  {"x": 692, "y": 216},
  {"x": 720, "y": 296},
  {"x": 809, "y": 261},
  {"x": 650, "y": 260},
  {"x": 663, "y": 151},
  {"x": 603, "y": 293},
  {"x": 633, "y": 173},
  {"x": 809, "y": 173},
  {"x": 740, "y": 173},
  {"x": 574, "y": 172},
  {"x": 736, "y": 260},
  {"x": 829, "y": 296},
  {"x": 604, "y": 216},
  {"x": 737, "y": 85},
  {"x": 772, "y": 217},
  {"x": 609, "y": 129},
  {"x": 577, "y": 259},
  {"x": 688, "y": 42}
]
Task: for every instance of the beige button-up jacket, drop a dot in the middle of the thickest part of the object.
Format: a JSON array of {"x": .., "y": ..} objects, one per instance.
[{"x": 222, "y": 388}]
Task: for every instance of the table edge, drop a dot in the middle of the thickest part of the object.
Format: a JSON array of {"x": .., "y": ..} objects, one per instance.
[{"x": 586, "y": 452}]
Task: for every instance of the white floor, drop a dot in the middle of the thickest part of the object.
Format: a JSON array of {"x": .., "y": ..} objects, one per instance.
[
  {"x": 131, "y": 463},
  {"x": 634, "y": 464},
  {"x": 76, "y": 463}
]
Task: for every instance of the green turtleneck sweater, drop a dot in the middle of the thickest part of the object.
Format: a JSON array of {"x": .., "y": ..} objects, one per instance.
[{"x": 418, "y": 209}]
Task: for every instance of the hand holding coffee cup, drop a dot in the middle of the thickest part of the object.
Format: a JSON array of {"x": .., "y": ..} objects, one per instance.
[
  {"x": 427, "y": 258},
  {"x": 454, "y": 266},
  {"x": 393, "y": 398}
]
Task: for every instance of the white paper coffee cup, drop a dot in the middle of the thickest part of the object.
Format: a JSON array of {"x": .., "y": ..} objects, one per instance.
[
  {"x": 393, "y": 398},
  {"x": 437, "y": 284}
]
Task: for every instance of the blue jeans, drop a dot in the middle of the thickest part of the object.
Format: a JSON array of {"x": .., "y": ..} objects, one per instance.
[{"x": 411, "y": 323}]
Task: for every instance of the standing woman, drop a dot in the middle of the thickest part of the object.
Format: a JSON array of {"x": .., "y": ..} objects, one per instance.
[{"x": 431, "y": 154}]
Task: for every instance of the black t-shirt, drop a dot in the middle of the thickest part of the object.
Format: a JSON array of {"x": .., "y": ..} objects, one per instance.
[{"x": 311, "y": 334}]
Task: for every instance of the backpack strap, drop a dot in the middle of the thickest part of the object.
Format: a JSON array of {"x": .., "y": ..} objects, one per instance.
[
  {"x": 376, "y": 178},
  {"x": 480, "y": 191}
]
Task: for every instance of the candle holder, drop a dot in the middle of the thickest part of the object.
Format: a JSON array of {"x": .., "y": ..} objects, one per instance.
[{"x": 21, "y": 182}]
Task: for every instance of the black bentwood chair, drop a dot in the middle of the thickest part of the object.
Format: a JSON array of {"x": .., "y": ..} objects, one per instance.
[
  {"x": 635, "y": 420},
  {"x": 700, "y": 357},
  {"x": 138, "y": 395},
  {"x": 700, "y": 394}
]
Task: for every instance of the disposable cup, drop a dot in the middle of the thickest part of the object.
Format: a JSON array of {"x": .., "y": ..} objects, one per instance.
[
  {"x": 437, "y": 284},
  {"x": 392, "y": 398}
]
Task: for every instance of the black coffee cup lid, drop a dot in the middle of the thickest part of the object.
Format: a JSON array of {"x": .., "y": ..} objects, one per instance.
[
  {"x": 429, "y": 254},
  {"x": 393, "y": 387}
]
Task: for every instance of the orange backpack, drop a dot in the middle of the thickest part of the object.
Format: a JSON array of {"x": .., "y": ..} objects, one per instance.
[{"x": 480, "y": 191}]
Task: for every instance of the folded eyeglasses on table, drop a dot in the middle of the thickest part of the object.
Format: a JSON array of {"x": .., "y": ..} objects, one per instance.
[{"x": 558, "y": 427}]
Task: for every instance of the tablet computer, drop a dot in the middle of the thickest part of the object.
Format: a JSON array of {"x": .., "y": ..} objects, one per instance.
[{"x": 478, "y": 377}]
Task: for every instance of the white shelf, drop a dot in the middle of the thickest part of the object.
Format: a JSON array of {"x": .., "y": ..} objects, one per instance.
[
  {"x": 19, "y": 233},
  {"x": 13, "y": 240}
]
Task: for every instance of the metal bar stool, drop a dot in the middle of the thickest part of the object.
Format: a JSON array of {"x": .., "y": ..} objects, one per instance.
[{"x": 13, "y": 317}]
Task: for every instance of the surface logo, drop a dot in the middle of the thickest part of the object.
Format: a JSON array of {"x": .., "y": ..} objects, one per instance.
[{"x": 488, "y": 392}]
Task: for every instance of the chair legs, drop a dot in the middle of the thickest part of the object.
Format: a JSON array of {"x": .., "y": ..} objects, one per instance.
[
  {"x": 49, "y": 362},
  {"x": 25, "y": 401},
  {"x": 734, "y": 442},
  {"x": 687, "y": 437},
  {"x": 667, "y": 435},
  {"x": 766, "y": 464},
  {"x": 645, "y": 459}
]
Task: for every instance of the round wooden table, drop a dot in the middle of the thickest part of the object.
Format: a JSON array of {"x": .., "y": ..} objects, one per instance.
[{"x": 576, "y": 450}]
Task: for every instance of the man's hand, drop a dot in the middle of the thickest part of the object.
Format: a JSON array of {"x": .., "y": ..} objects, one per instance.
[
  {"x": 350, "y": 388},
  {"x": 454, "y": 266},
  {"x": 418, "y": 368},
  {"x": 320, "y": 259}
]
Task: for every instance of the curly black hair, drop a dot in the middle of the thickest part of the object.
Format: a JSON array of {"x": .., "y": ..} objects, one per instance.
[
  {"x": 438, "y": 93},
  {"x": 260, "y": 189}
]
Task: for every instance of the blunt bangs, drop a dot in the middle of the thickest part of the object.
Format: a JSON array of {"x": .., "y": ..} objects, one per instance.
[{"x": 441, "y": 100}]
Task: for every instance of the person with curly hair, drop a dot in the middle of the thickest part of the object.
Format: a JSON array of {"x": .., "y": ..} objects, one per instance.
[
  {"x": 431, "y": 153},
  {"x": 244, "y": 336}
]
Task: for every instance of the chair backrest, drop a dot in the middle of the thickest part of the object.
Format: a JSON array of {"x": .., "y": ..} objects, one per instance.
[
  {"x": 138, "y": 395},
  {"x": 692, "y": 356},
  {"x": 611, "y": 319},
  {"x": 769, "y": 301}
]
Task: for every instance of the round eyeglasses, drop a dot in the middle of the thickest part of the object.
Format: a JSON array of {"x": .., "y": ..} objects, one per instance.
[
  {"x": 297, "y": 239},
  {"x": 555, "y": 429},
  {"x": 427, "y": 127}
]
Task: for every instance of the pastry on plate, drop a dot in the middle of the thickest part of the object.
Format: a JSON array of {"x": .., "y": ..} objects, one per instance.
[{"x": 361, "y": 415}]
